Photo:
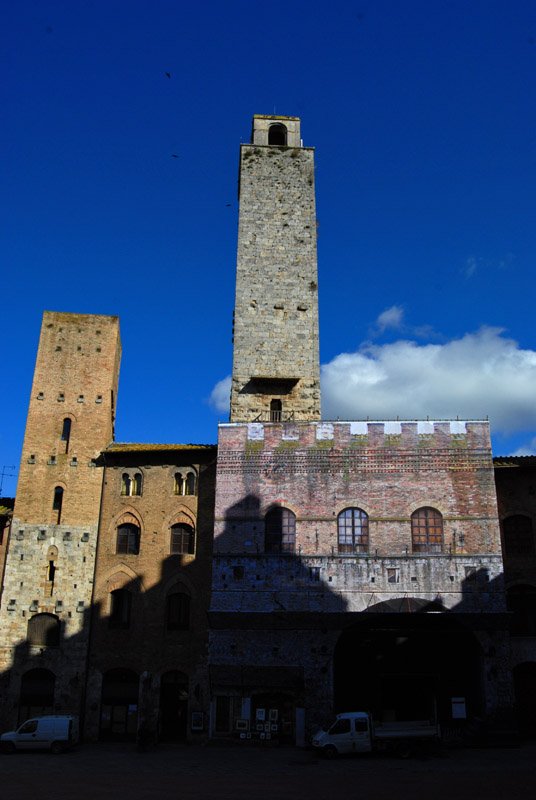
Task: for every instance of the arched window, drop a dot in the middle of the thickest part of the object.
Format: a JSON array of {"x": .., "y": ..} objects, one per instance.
[
  {"x": 352, "y": 524},
  {"x": 44, "y": 630},
  {"x": 280, "y": 531},
  {"x": 182, "y": 539},
  {"x": 66, "y": 433},
  {"x": 128, "y": 539},
  {"x": 427, "y": 531},
  {"x": 518, "y": 536},
  {"x": 58, "y": 502},
  {"x": 177, "y": 611},
  {"x": 275, "y": 410},
  {"x": 120, "y": 605},
  {"x": 131, "y": 484},
  {"x": 184, "y": 484},
  {"x": 277, "y": 135},
  {"x": 190, "y": 483}
]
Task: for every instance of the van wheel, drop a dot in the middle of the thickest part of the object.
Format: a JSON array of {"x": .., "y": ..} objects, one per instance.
[
  {"x": 56, "y": 748},
  {"x": 9, "y": 748},
  {"x": 330, "y": 752}
]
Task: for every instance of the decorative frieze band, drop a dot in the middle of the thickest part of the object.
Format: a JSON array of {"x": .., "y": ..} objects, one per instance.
[{"x": 348, "y": 462}]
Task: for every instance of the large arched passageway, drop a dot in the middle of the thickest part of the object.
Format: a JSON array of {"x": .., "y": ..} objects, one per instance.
[{"x": 408, "y": 660}]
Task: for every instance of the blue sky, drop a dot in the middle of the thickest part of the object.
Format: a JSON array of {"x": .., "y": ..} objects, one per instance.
[{"x": 422, "y": 114}]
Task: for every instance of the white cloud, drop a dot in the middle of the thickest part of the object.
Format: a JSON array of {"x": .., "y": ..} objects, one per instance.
[
  {"x": 220, "y": 395},
  {"x": 390, "y": 318},
  {"x": 483, "y": 373},
  {"x": 527, "y": 449},
  {"x": 471, "y": 266}
]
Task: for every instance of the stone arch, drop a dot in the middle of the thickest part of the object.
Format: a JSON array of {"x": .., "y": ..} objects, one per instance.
[
  {"x": 425, "y": 502},
  {"x": 44, "y": 630},
  {"x": 182, "y": 515},
  {"x": 277, "y": 134},
  {"x": 174, "y": 695},
  {"x": 118, "y": 577},
  {"x": 402, "y": 665},
  {"x": 179, "y": 582},
  {"x": 37, "y": 689},
  {"x": 353, "y": 502}
]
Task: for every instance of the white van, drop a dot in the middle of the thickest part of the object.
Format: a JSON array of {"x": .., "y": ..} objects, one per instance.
[
  {"x": 42, "y": 733},
  {"x": 355, "y": 732}
]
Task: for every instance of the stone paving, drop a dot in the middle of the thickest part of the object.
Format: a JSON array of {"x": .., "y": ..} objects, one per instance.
[{"x": 227, "y": 773}]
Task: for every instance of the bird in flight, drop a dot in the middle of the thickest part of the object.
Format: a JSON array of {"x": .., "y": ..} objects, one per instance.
[
  {"x": 174, "y": 155},
  {"x": 167, "y": 73}
]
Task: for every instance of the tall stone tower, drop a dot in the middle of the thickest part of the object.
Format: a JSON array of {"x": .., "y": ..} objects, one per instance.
[
  {"x": 50, "y": 562},
  {"x": 276, "y": 375}
]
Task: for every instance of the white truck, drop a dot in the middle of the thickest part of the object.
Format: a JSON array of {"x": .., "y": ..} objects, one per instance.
[
  {"x": 54, "y": 733},
  {"x": 355, "y": 732}
]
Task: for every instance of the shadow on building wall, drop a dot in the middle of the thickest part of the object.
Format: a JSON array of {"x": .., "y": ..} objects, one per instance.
[
  {"x": 287, "y": 623},
  {"x": 281, "y": 638}
]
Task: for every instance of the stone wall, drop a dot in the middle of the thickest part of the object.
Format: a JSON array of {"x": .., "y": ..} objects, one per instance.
[
  {"x": 51, "y": 553},
  {"x": 276, "y": 306}
]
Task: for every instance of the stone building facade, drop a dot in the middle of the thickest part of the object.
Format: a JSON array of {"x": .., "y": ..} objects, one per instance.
[
  {"x": 516, "y": 493},
  {"x": 50, "y": 562},
  {"x": 356, "y": 565},
  {"x": 336, "y": 541},
  {"x": 276, "y": 372},
  {"x": 303, "y": 567}
]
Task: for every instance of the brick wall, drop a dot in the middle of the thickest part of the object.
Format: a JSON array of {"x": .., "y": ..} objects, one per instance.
[{"x": 146, "y": 646}]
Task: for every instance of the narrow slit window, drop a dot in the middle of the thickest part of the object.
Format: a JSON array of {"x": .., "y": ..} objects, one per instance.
[
  {"x": 58, "y": 502},
  {"x": 66, "y": 433}
]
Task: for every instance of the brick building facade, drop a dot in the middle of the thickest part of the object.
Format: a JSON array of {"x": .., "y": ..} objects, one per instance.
[
  {"x": 304, "y": 566},
  {"x": 50, "y": 562}
]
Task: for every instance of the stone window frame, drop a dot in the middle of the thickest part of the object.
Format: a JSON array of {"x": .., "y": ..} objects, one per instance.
[
  {"x": 353, "y": 530},
  {"x": 132, "y": 480},
  {"x": 277, "y": 130},
  {"x": 130, "y": 539},
  {"x": 67, "y": 431},
  {"x": 427, "y": 530},
  {"x": 280, "y": 534},
  {"x": 185, "y": 481},
  {"x": 41, "y": 634},
  {"x": 57, "y": 502},
  {"x": 181, "y": 542}
]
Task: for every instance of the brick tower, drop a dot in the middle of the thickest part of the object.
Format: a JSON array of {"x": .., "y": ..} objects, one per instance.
[
  {"x": 50, "y": 562},
  {"x": 276, "y": 363}
]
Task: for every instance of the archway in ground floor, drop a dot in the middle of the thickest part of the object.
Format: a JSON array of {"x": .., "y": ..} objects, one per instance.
[
  {"x": 525, "y": 693},
  {"x": 119, "y": 705},
  {"x": 408, "y": 666},
  {"x": 173, "y": 706},
  {"x": 36, "y": 694}
]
